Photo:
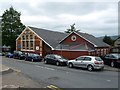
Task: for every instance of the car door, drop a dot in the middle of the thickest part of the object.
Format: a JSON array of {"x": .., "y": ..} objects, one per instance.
[
  {"x": 53, "y": 59},
  {"x": 78, "y": 62},
  {"x": 29, "y": 57},
  {"x": 109, "y": 58},
  {"x": 106, "y": 59},
  {"x": 86, "y": 61},
  {"x": 47, "y": 57},
  {"x": 112, "y": 58}
]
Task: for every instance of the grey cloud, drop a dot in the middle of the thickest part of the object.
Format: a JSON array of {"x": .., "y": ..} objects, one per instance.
[
  {"x": 79, "y": 8},
  {"x": 111, "y": 21},
  {"x": 53, "y": 9}
]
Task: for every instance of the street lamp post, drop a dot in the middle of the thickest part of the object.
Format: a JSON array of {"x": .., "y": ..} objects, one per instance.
[{"x": 61, "y": 49}]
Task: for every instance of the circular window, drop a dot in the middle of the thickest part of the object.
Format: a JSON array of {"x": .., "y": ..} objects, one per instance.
[{"x": 73, "y": 38}]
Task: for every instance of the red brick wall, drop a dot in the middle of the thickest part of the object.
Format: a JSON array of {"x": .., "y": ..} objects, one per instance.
[
  {"x": 102, "y": 51},
  {"x": 70, "y": 54},
  {"x": 36, "y": 43},
  {"x": 78, "y": 39},
  {"x": 18, "y": 42}
]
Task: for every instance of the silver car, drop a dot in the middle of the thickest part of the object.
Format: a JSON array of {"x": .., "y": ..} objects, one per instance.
[{"x": 89, "y": 62}]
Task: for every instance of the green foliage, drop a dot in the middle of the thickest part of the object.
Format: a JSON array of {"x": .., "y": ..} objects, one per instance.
[
  {"x": 11, "y": 27},
  {"x": 72, "y": 29},
  {"x": 108, "y": 40}
]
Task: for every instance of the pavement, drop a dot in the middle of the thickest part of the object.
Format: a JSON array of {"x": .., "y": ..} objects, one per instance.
[
  {"x": 108, "y": 68},
  {"x": 12, "y": 78}
]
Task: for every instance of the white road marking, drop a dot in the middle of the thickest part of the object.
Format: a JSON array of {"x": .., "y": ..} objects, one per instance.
[
  {"x": 49, "y": 68},
  {"x": 45, "y": 68},
  {"x": 67, "y": 72},
  {"x": 108, "y": 80}
]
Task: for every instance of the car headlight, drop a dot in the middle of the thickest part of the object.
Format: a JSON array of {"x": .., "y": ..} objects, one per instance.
[{"x": 61, "y": 60}]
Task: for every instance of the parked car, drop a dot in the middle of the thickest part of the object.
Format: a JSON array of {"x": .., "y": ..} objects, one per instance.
[
  {"x": 89, "y": 62},
  {"x": 9, "y": 55},
  {"x": 19, "y": 55},
  {"x": 33, "y": 57},
  {"x": 1, "y": 54},
  {"x": 112, "y": 59},
  {"x": 55, "y": 59}
]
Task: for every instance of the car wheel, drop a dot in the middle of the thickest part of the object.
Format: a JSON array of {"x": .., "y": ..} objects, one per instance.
[
  {"x": 19, "y": 58},
  {"x": 112, "y": 64},
  {"x": 13, "y": 57},
  {"x": 70, "y": 65},
  {"x": 45, "y": 62},
  {"x": 102, "y": 69},
  {"x": 57, "y": 63},
  {"x": 90, "y": 68},
  {"x": 32, "y": 60}
]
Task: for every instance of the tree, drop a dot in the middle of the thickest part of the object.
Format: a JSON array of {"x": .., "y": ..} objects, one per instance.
[
  {"x": 11, "y": 27},
  {"x": 72, "y": 29},
  {"x": 108, "y": 40}
]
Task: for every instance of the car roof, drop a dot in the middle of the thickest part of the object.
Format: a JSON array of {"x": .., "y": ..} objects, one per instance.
[
  {"x": 113, "y": 54},
  {"x": 53, "y": 54},
  {"x": 89, "y": 56}
]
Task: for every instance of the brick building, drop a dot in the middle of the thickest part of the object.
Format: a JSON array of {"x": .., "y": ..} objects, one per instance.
[{"x": 42, "y": 42}]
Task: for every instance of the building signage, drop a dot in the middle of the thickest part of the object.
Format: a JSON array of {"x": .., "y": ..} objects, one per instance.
[
  {"x": 37, "y": 47},
  {"x": 18, "y": 46}
]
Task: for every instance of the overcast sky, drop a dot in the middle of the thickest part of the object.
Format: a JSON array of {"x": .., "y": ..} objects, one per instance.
[{"x": 95, "y": 17}]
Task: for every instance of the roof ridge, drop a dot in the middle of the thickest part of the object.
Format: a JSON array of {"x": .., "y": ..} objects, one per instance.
[{"x": 47, "y": 30}]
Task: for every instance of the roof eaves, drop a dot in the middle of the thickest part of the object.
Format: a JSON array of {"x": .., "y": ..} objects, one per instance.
[
  {"x": 41, "y": 38},
  {"x": 80, "y": 36},
  {"x": 65, "y": 37},
  {"x": 86, "y": 39},
  {"x": 22, "y": 33}
]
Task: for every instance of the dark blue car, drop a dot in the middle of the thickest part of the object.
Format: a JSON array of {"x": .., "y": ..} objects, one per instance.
[
  {"x": 33, "y": 57},
  {"x": 9, "y": 55}
]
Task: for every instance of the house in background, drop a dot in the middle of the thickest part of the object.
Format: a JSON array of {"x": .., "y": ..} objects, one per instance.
[
  {"x": 70, "y": 46},
  {"x": 116, "y": 48}
]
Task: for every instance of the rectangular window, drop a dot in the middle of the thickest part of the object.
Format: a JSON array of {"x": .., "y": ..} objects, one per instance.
[
  {"x": 31, "y": 45},
  {"x": 27, "y": 44},
  {"x": 26, "y": 37},
  {"x": 31, "y": 37},
  {"x": 105, "y": 51},
  {"x": 40, "y": 49},
  {"x": 87, "y": 59},
  {"x": 40, "y": 43},
  {"x": 23, "y": 37},
  {"x": 101, "y": 51},
  {"x": 23, "y": 44},
  {"x": 98, "y": 51}
]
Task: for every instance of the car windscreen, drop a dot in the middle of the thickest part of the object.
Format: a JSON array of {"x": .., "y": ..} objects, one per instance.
[
  {"x": 98, "y": 59},
  {"x": 36, "y": 55},
  {"x": 116, "y": 56},
  {"x": 59, "y": 57},
  {"x": 20, "y": 53}
]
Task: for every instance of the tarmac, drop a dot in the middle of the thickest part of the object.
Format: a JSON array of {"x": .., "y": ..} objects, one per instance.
[{"x": 11, "y": 78}]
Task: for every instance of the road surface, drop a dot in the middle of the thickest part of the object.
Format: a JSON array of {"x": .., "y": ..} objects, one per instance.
[{"x": 62, "y": 76}]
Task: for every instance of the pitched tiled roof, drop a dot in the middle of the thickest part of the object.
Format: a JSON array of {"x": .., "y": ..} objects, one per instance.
[
  {"x": 94, "y": 40},
  {"x": 51, "y": 37}
]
